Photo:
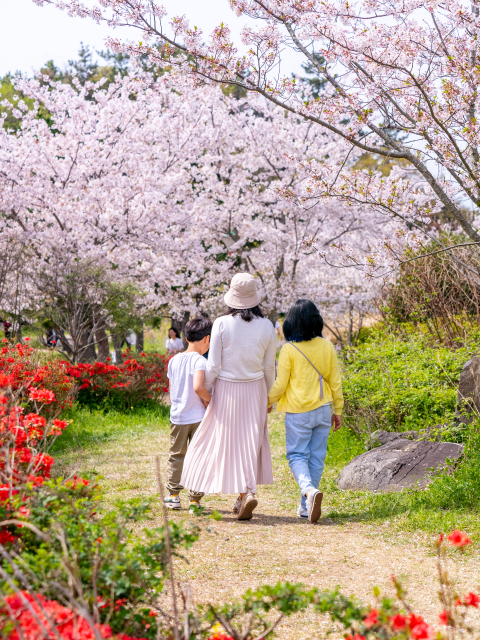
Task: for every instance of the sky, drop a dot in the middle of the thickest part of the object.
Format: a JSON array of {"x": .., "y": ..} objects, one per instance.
[{"x": 31, "y": 35}]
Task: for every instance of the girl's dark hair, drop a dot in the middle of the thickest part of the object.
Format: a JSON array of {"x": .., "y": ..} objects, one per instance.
[
  {"x": 302, "y": 322},
  {"x": 246, "y": 314},
  {"x": 197, "y": 328},
  {"x": 176, "y": 331}
]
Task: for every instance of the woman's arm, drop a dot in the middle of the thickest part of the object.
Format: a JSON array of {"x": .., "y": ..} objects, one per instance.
[
  {"x": 283, "y": 376},
  {"x": 269, "y": 361},
  {"x": 200, "y": 388},
  {"x": 214, "y": 363}
]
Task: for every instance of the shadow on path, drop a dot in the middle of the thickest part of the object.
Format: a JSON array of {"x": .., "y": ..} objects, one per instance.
[{"x": 266, "y": 520}]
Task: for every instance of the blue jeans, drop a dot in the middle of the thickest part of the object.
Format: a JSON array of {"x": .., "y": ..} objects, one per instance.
[{"x": 307, "y": 436}]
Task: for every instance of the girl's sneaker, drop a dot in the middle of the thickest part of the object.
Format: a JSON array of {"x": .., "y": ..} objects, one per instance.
[
  {"x": 302, "y": 513},
  {"x": 236, "y": 505},
  {"x": 173, "y": 502},
  {"x": 314, "y": 505}
]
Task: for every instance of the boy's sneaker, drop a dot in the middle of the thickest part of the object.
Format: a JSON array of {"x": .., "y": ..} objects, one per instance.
[
  {"x": 195, "y": 507},
  {"x": 302, "y": 513},
  {"x": 236, "y": 505},
  {"x": 314, "y": 505},
  {"x": 173, "y": 502}
]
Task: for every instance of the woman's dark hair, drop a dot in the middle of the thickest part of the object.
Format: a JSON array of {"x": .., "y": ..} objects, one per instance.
[
  {"x": 197, "y": 328},
  {"x": 246, "y": 314},
  {"x": 176, "y": 331},
  {"x": 302, "y": 322}
]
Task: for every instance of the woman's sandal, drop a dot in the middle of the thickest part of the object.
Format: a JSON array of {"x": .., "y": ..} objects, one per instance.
[
  {"x": 248, "y": 505},
  {"x": 236, "y": 505}
]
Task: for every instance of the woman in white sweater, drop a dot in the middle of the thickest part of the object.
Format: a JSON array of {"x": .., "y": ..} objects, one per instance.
[{"x": 230, "y": 452}]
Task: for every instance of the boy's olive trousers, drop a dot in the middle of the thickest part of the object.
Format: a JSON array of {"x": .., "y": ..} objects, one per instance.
[{"x": 180, "y": 437}]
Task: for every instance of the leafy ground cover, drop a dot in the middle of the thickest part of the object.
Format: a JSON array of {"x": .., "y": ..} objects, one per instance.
[{"x": 399, "y": 381}]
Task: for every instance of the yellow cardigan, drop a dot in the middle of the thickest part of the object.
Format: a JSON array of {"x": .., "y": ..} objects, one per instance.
[{"x": 297, "y": 388}]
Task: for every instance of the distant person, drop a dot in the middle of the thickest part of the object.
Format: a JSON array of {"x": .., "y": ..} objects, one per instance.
[
  {"x": 174, "y": 343},
  {"x": 131, "y": 340},
  {"x": 189, "y": 397},
  {"x": 278, "y": 330},
  {"x": 230, "y": 452},
  {"x": 52, "y": 338},
  {"x": 6, "y": 328},
  {"x": 308, "y": 382}
]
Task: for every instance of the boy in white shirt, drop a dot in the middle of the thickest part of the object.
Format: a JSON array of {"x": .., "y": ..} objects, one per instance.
[{"x": 189, "y": 397}]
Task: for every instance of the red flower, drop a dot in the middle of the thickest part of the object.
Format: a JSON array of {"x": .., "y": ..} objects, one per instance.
[
  {"x": 398, "y": 621},
  {"x": 459, "y": 538},
  {"x": 371, "y": 619},
  {"x": 6, "y": 537},
  {"x": 471, "y": 600},
  {"x": 6, "y": 381},
  {"x": 5, "y": 492},
  {"x": 23, "y": 512},
  {"x": 443, "y": 617},
  {"x": 413, "y": 620},
  {"x": 419, "y": 629},
  {"x": 165, "y": 389},
  {"x": 43, "y": 395},
  {"x": 357, "y": 636}
]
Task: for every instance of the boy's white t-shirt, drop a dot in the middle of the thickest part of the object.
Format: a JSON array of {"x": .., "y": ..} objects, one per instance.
[{"x": 187, "y": 407}]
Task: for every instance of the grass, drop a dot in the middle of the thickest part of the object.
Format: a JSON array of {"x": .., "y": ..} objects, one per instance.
[{"x": 92, "y": 429}]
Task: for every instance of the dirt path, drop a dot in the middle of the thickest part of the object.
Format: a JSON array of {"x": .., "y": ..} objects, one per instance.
[{"x": 276, "y": 545}]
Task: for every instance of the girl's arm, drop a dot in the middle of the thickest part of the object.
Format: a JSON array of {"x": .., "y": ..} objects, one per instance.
[
  {"x": 335, "y": 383},
  {"x": 199, "y": 386},
  {"x": 283, "y": 376}
]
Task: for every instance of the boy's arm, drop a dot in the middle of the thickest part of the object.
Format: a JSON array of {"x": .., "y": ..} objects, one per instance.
[{"x": 199, "y": 386}]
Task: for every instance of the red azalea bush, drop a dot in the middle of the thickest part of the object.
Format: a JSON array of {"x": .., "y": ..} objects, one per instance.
[
  {"x": 27, "y": 616},
  {"x": 25, "y": 439},
  {"x": 136, "y": 380},
  {"x": 22, "y": 368}
]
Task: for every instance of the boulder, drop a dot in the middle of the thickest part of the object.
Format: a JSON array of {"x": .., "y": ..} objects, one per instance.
[
  {"x": 397, "y": 464},
  {"x": 468, "y": 396},
  {"x": 379, "y": 437}
]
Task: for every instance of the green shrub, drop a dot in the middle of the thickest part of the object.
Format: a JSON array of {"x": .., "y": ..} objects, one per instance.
[
  {"x": 71, "y": 546},
  {"x": 399, "y": 382}
]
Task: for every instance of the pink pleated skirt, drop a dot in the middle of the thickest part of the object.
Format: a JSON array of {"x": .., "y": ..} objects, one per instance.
[{"x": 230, "y": 451}]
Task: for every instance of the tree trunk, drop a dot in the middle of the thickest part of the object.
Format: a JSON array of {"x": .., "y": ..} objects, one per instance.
[
  {"x": 140, "y": 340},
  {"x": 86, "y": 352},
  {"x": 179, "y": 325},
  {"x": 101, "y": 339}
]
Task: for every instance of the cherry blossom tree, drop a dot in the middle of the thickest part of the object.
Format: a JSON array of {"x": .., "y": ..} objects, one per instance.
[
  {"x": 401, "y": 81},
  {"x": 171, "y": 191}
]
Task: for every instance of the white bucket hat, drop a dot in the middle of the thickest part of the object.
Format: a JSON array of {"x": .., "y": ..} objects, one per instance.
[{"x": 242, "y": 293}]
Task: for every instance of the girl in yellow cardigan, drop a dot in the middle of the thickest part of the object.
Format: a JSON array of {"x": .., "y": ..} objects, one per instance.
[{"x": 307, "y": 384}]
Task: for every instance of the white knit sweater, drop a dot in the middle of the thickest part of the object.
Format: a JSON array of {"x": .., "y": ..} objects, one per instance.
[{"x": 242, "y": 351}]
